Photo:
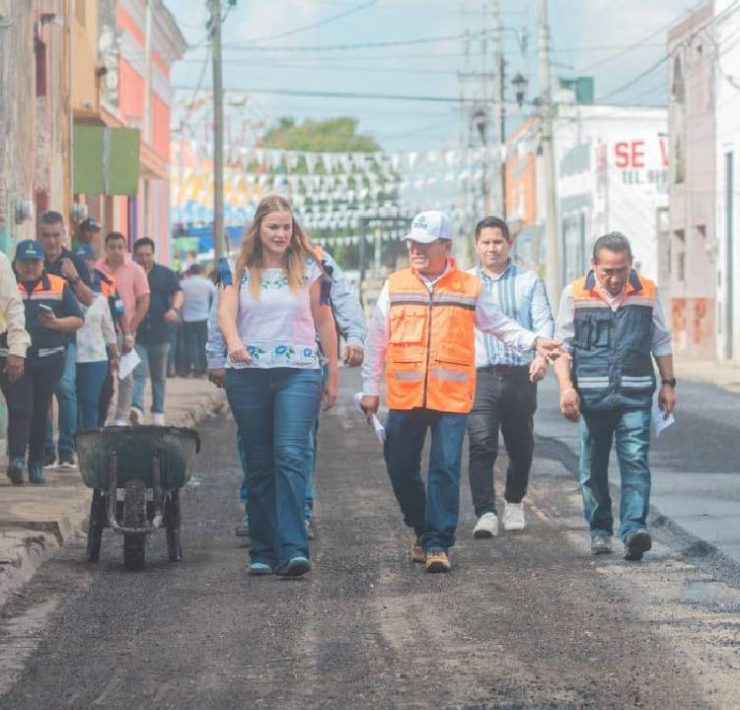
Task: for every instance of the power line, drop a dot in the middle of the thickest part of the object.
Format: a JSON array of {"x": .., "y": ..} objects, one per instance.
[
  {"x": 349, "y": 95},
  {"x": 343, "y": 47},
  {"x": 320, "y": 23},
  {"x": 634, "y": 80},
  {"x": 727, "y": 12},
  {"x": 288, "y": 64},
  {"x": 640, "y": 43}
]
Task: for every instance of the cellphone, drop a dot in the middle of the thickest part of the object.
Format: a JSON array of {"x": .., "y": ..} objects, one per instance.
[{"x": 45, "y": 310}]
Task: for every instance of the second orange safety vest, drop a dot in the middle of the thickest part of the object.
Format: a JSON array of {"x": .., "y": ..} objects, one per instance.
[{"x": 430, "y": 361}]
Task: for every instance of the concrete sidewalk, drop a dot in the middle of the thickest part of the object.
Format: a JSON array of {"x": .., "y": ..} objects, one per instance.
[
  {"x": 722, "y": 374},
  {"x": 36, "y": 520}
]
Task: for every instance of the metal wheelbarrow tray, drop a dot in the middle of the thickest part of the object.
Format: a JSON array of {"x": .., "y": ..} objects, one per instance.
[{"x": 137, "y": 460}]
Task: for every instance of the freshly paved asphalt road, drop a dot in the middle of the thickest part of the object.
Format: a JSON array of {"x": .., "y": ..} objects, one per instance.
[
  {"x": 695, "y": 463},
  {"x": 527, "y": 620}
]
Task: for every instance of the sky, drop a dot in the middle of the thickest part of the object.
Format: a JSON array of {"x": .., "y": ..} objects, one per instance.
[{"x": 291, "y": 45}]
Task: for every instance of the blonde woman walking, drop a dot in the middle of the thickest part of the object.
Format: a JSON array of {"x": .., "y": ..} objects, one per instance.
[{"x": 270, "y": 310}]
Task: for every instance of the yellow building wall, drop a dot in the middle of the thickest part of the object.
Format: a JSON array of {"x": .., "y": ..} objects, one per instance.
[{"x": 84, "y": 56}]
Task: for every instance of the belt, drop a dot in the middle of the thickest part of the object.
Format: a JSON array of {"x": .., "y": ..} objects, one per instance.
[{"x": 504, "y": 370}]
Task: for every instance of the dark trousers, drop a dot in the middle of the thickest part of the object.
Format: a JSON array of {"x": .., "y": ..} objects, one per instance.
[
  {"x": 505, "y": 399},
  {"x": 106, "y": 397},
  {"x": 28, "y": 401},
  {"x": 195, "y": 335}
]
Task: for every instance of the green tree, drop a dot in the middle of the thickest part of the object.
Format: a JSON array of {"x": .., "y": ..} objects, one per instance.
[{"x": 334, "y": 135}]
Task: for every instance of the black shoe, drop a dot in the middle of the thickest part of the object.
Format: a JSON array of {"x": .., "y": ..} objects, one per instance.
[
  {"x": 67, "y": 460},
  {"x": 15, "y": 470},
  {"x": 636, "y": 545},
  {"x": 296, "y": 567},
  {"x": 50, "y": 458},
  {"x": 36, "y": 474},
  {"x": 600, "y": 545}
]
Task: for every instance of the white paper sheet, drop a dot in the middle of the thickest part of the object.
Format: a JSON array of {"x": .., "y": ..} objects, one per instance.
[
  {"x": 377, "y": 425},
  {"x": 129, "y": 361},
  {"x": 660, "y": 422}
]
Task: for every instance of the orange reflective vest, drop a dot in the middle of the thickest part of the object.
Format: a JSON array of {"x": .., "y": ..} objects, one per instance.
[
  {"x": 48, "y": 291},
  {"x": 430, "y": 360}
]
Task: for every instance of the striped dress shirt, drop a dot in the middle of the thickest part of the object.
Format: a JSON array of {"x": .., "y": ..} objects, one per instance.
[{"x": 521, "y": 296}]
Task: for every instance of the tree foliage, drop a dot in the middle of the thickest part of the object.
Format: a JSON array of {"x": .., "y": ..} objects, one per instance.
[{"x": 334, "y": 135}]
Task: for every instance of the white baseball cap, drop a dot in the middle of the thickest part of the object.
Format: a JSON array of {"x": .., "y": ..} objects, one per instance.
[{"x": 429, "y": 226}]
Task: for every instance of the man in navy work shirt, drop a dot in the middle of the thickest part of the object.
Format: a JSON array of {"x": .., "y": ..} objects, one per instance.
[
  {"x": 153, "y": 335},
  {"x": 506, "y": 390},
  {"x": 51, "y": 313},
  {"x": 59, "y": 261}
]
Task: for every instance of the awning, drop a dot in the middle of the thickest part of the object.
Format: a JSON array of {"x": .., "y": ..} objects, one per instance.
[{"x": 106, "y": 160}]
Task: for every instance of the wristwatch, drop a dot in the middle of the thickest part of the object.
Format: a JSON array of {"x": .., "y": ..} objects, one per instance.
[{"x": 669, "y": 381}]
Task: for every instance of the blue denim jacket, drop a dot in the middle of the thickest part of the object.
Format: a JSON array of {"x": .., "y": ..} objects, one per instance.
[{"x": 345, "y": 305}]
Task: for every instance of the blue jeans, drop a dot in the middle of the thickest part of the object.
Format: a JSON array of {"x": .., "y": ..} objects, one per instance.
[
  {"x": 275, "y": 410},
  {"x": 172, "y": 330},
  {"x": 433, "y": 513},
  {"x": 153, "y": 364},
  {"x": 310, "y": 461},
  {"x": 66, "y": 393},
  {"x": 90, "y": 377},
  {"x": 630, "y": 430},
  {"x": 195, "y": 336}
]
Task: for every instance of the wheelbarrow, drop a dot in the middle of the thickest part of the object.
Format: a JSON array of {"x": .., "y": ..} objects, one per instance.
[{"x": 150, "y": 464}]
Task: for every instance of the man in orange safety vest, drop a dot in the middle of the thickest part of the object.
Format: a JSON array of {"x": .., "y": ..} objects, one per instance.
[{"x": 423, "y": 333}]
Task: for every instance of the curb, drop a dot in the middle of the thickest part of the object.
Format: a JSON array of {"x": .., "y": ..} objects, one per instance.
[
  {"x": 26, "y": 544},
  {"x": 691, "y": 548},
  {"x": 21, "y": 553}
]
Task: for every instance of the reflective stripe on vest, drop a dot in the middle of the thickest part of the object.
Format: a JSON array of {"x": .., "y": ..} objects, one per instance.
[
  {"x": 612, "y": 363},
  {"x": 51, "y": 289},
  {"x": 430, "y": 361}
]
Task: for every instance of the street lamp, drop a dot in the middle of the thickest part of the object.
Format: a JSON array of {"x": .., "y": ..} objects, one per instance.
[
  {"x": 519, "y": 82},
  {"x": 480, "y": 121}
]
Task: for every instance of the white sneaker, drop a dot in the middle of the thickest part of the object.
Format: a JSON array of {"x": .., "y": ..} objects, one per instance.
[
  {"x": 158, "y": 419},
  {"x": 121, "y": 422},
  {"x": 514, "y": 516},
  {"x": 136, "y": 416},
  {"x": 487, "y": 526}
]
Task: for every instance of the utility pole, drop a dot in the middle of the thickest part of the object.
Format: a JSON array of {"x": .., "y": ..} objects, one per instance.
[
  {"x": 218, "y": 132},
  {"x": 496, "y": 184},
  {"x": 502, "y": 123},
  {"x": 552, "y": 243}
]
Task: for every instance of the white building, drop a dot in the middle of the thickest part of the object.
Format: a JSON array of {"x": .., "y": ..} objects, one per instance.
[
  {"x": 727, "y": 111},
  {"x": 692, "y": 192},
  {"x": 612, "y": 172}
]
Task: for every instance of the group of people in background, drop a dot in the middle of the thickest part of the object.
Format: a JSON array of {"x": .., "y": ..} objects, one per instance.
[
  {"x": 70, "y": 319},
  {"x": 461, "y": 352}
]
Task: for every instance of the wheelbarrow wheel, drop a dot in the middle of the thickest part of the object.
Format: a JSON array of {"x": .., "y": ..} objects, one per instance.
[
  {"x": 172, "y": 526},
  {"x": 95, "y": 526},
  {"x": 134, "y": 516}
]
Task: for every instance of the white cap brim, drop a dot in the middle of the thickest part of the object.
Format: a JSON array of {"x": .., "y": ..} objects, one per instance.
[{"x": 421, "y": 236}]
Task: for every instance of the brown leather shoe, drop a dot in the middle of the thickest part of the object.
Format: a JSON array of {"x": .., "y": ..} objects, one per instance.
[
  {"x": 438, "y": 561},
  {"x": 417, "y": 553}
]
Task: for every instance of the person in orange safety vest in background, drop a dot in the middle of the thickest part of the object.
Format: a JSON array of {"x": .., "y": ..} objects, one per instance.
[{"x": 423, "y": 333}]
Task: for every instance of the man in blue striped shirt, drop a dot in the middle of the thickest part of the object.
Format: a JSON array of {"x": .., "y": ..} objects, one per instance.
[{"x": 506, "y": 389}]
